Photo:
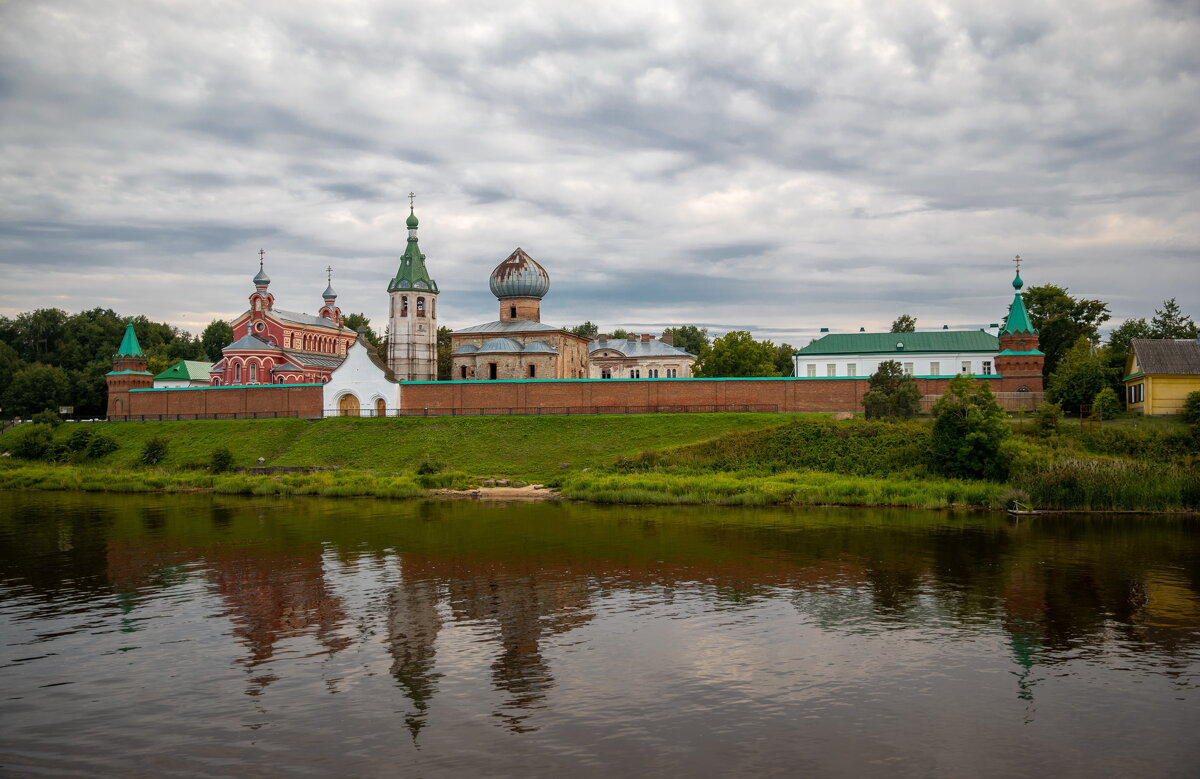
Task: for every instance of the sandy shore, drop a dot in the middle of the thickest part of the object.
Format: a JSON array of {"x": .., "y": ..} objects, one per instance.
[{"x": 528, "y": 492}]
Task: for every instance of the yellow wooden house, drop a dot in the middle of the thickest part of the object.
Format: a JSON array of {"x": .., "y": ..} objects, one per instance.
[{"x": 1160, "y": 374}]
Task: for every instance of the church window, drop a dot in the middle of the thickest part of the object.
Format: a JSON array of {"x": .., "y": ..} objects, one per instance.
[
  {"x": 491, "y": 370},
  {"x": 533, "y": 371},
  {"x": 935, "y": 369},
  {"x": 851, "y": 369},
  {"x": 258, "y": 304},
  {"x": 812, "y": 370},
  {"x": 987, "y": 367},
  {"x": 512, "y": 312},
  {"x": 908, "y": 369},
  {"x": 463, "y": 371},
  {"x": 420, "y": 306},
  {"x": 404, "y": 306},
  {"x": 831, "y": 369},
  {"x": 606, "y": 374},
  {"x": 966, "y": 366},
  {"x": 634, "y": 373},
  {"x": 237, "y": 373},
  {"x": 253, "y": 372}
]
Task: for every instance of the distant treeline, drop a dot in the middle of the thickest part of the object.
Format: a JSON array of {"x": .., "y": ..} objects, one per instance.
[{"x": 49, "y": 358}]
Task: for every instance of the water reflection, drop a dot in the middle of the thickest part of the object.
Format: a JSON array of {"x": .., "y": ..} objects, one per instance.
[{"x": 524, "y": 596}]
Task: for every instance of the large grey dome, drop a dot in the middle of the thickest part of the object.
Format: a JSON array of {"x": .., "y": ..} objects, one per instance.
[{"x": 519, "y": 276}]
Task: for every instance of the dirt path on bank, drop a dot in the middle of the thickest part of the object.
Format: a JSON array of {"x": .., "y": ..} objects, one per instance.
[{"x": 529, "y": 492}]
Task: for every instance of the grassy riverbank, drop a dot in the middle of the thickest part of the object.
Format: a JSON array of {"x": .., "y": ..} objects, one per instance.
[{"x": 729, "y": 459}]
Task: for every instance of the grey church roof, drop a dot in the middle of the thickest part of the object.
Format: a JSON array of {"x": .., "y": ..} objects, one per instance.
[
  {"x": 654, "y": 348},
  {"x": 514, "y": 326},
  {"x": 304, "y": 319},
  {"x": 1167, "y": 356},
  {"x": 249, "y": 342}
]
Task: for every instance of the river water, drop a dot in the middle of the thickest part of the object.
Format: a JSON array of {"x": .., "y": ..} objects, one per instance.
[{"x": 221, "y": 636}]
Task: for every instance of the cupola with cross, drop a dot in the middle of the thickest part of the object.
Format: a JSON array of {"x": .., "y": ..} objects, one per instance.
[{"x": 1019, "y": 355}]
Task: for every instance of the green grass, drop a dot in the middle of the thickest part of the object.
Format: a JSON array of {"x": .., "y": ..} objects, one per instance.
[
  {"x": 529, "y": 448},
  {"x": 787, "y": 488}
]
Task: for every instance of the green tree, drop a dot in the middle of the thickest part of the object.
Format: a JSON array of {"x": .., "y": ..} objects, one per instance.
[
  {"x": 1082, "y": 373},
  {"x": 1061, "y": 320},
  {"x": 1191, "y": 409},
  {"x": 1106, "y": 405},
  {"x": 737, "y": 354},
  {"x": 904, "y": 324},
  {"x": 445, "y": 362},
  {"x": 1046, "y": 419},
  {"x": 36, "y": 387},
  {"x": 1116, "y": 351},
  {"x": 360, "y": 324},
  {"x": 891, "y": 393},
  {"x": 691, "y": 339},
  {"x": 968, "y": 430},
  {"x": 620, "y": 334},
  {"x": 10, "y": 363},
  {"x": 1171, "y": 322},
  {"x": 216, "y": 337},
  {"x": 784, "y": 364},
  {"x": 588, "y": 329}
]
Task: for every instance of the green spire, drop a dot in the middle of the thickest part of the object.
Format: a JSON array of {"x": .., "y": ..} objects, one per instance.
[
  {"x": 129, "y": 344},
  {"x": 412, "y": 274},
  {"x": 1018, "y": 317}
]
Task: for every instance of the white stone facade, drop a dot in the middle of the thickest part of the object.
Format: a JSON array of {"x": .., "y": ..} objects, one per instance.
[
  {"x": 914, "y": 363},
  {"x": 360, "y": 386}
]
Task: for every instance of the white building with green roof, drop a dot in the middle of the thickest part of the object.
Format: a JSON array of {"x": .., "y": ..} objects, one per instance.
[
  {"x": 185, "y": 373},
  {"x": 934, "y": 354}
]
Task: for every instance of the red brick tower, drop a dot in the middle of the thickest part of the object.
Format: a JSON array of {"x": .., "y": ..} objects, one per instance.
[
  {"x": 129, "y": 372},
  {"x": 1019, "y": 361}
]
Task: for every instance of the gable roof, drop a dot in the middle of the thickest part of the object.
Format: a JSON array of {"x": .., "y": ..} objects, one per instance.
[
  {"x": 509, "y": 326},
  {"x": 1167, "y": 356},
  {"x": 186, "y": 370},
  {"x": 947, "y": 341}
]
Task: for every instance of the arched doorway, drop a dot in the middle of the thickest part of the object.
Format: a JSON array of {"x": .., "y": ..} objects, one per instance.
[
  {"x": 380, "y": 407},
  {"x": 348, "y": 406}
]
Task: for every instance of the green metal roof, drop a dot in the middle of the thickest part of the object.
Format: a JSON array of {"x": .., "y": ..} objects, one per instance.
[
  {"x": 129, "y": 344},
  {"x": 186, "y": 370},
  {"x": 947, "y": 341},
  {"x": 1018, "y": 317},
  {"x": 412, "y": 275},
  {"x": 1011, "y": 353},
  {"x": 128, "y": 373}
]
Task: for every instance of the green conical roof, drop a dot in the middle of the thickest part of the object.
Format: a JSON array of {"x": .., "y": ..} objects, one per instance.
[
  {"x": 412, "y": 273},
  {"x": 1018, "y": 317},
  {"x": 129, "y": 344}
]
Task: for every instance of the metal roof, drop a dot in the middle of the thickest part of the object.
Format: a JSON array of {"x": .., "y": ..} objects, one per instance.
[
  {"x": 186, "y": 370},
  {"x": 500, "y": 345},
  {"x": 936, "y": 342},
  {"x": 540, "y": 347},
  {"x": 1167, "y": 356},
  {"x": 250, "y": 342},
  {"x": 653, "y": 348},
  {"x": 129, "y": 343},
  {"x": 308, "y": 359},
  {"x": 519, "y": 276},
  {"x": 511, "y": 326},
  {"x": 301, "y": 318}
]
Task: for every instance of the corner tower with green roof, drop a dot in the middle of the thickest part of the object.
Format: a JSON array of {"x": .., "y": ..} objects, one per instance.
[
  {"x": 1019, "y": 356},
  {"x": 412, "y": 313},
  {"x": 128, "y": 373}
]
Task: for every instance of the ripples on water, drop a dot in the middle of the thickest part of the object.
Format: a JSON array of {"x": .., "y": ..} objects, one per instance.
[{"x": 185, "y": 636}]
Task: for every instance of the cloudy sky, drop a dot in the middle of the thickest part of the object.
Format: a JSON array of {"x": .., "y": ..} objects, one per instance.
[{"x": 771, "y": 166}]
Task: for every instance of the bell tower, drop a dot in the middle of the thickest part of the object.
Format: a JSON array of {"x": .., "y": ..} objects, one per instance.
[{"x": 412, "y": 313}]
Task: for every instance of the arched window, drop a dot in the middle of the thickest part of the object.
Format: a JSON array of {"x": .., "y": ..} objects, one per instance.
[
  {"x": 404, "y": 306},
  {"x": 253, "y": 373},
  {"x": 380, "y": 407},
  {"x": 420, "y": 306},
  {"x": 237, "y": 373}
]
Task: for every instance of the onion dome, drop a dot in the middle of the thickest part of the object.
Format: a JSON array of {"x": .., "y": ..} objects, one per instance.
[
  {"x": 500, "y": 345},
  {"x": 412, "y": 219},
  {"x": 261, "y": 279},
  {"x": 519, "y": 276},
  {"x": 1017, "y": 283},
  {"x": 329, "y": 294}
]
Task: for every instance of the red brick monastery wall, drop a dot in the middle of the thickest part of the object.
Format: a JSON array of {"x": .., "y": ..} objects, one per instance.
[
  {"x": 579, "y": 396},
  {"x": 302, "y": 400}
]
